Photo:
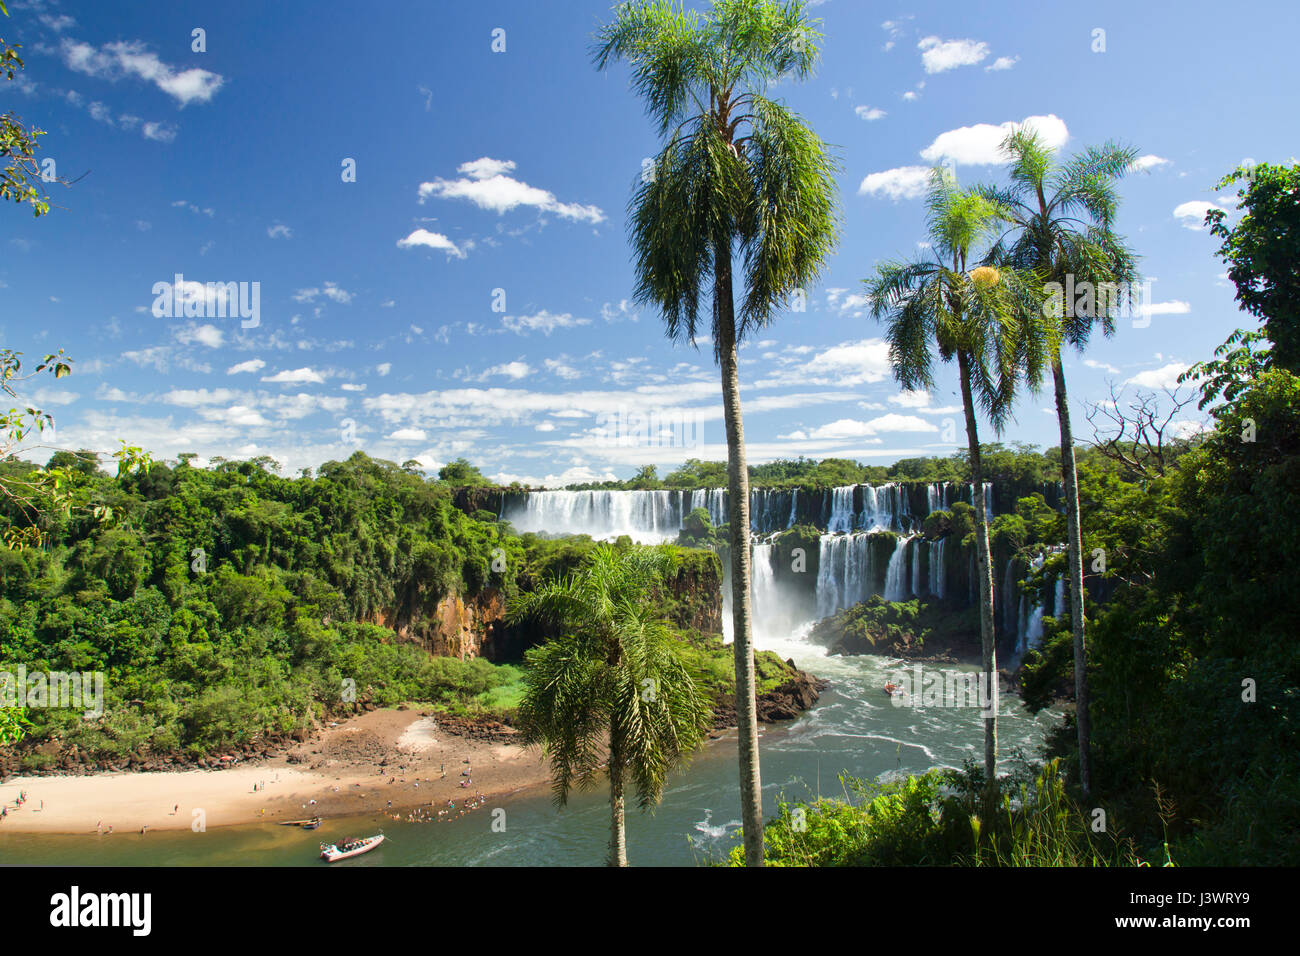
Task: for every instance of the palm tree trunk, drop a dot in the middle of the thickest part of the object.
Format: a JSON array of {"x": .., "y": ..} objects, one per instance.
[
  {"x": 617, "y": 829},
  {"x": 1070, "y": 478},
  {"x": 984, "y": 568},
  {"x": 751, "y": 794}
]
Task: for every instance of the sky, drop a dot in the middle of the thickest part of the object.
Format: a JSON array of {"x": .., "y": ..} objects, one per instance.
[{"x": 417, "y": 216}]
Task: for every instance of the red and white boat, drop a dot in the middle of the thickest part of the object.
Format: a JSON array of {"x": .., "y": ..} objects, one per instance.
[{"x": 333, "y": 852}]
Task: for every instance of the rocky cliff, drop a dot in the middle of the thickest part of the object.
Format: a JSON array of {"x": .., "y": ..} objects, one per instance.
[{"x": 475, "y": 626}]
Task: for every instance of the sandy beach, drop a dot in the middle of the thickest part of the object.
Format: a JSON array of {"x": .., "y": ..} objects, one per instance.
[{"x": 384, "y": 761}]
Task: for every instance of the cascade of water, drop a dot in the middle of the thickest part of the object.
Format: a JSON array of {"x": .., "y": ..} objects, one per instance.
[
  {"x": 1009, "y": 622},
  {"x": 988, "y": 499},
  {"x": 827, "y": 599},
  {"x": 918, "y": 585},
  {"x": 1058, "y": 602},
  {"x": 1030, "y": 633},
  {"x": 841, "y": 509},
  {"x": 644, "y": 515},
  {"x": 763, "y": 584},
  {"x": 845, "y": 575},
  {"x": 938, "y": 578},
  {"x": 895, "y": 586},
  {"x": 794, "y": 507}
]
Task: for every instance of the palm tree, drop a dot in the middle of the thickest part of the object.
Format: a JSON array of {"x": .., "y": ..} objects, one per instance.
[
  {"x": 1060, "y": 219},
  {"x": 977, "y": 317},
  {"x": 611, "y": 677},
  {"x": 739, "y": 176}
]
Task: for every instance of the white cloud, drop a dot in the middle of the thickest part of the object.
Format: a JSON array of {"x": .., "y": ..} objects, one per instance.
[
  {"x": 1102, "y": 366},
  {"x": 1191, "y": 215},
  {"x": 295, "y": 376},
  {"x": 198, "y": 397},
  {"x": 330, "y": 291},
  {"x": 57, "y": 23},
  {"x": 1002, "y": 63},
  {"x": 156, "y": 356},
  {"x": 561, "y": 369},
  {"x": 981, "y": 144},
  {"x": 905, "y": 182},
  {"x": 846, "y": 428},
  {"x": 847, "y": 303},
  {"x": 843, "y": 365},
  {"x": 937, "y": 55},
  {"x": 118, "y": 59},
  {"x": 513, "y": 370},
  {"x": 383, "y": 368},
  {"x": 353, "y": 387},
  {"x": 409, "y": 434},
  {"x": 1165, "y": 308},
  {"x": 434, "y": 240},
  {"x": 485, "y": 184},
  {"x": 1149, "y": 162},
  {"x": 1164, "y": 377},
  {"x": 208, "y": 335},
  {"x": 197, "y": 210},
  {"x": 160, "y": 132},
  {"x": 279, "y": 231},
  {"x": 624, "y": 310},
  {"x": 909, "y": 399},
  {"x": 869, "y": 113},
  {"x": 544, "y": 322},
  {"x": 252, "y": 365}
]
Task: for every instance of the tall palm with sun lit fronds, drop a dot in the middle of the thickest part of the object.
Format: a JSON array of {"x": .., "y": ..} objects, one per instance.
[
  {"x": 1060, "y": 227},
  {"x": 740, "y": 199},
  {"x": 976, "y": 316}
]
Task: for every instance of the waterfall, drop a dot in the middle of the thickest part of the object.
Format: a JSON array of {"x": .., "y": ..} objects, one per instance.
[
  {"x": 895, "y": 586},
  {"x": 1010, "y": 623},
  {"x": 1058, "y": 602},
  {"x": 845, "y": 575},
  {"x": 794, "y": 508},
  {"x": 841, "y": 509},
  {"x": 763, "y": 584},
  {"x": 712, "y": 500},
  {"x": 644, "y": 515},
  {"x": 938, "y": 579},
  {"x": 1030, "y": 632},
  {"x": 918, "y": 585}
]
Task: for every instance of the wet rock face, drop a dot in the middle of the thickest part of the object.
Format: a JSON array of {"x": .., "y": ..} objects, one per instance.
[
  {"x": 784, "y": 702},
  {"x": 458, "y": 626},
  {"x": 791, "y": 699}
]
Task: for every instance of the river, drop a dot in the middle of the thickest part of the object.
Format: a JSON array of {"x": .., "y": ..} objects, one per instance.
[{"x": 855, "y": 729}]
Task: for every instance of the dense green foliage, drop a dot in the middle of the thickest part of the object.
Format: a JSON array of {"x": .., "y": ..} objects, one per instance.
[
  {"x": 1261, "y": 252},
  {"x": 229, "y": 604},
  {"x": 942, "y": 818},
  {"x": 918, "y": 627}
]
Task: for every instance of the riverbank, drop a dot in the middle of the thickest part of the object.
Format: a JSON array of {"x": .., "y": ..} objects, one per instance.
[
  {"x": 383, "y": 761},
  {"x": 401, "y": 763}
]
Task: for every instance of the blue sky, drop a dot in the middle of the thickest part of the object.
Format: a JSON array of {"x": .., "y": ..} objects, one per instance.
[{"x": 467, "y": 295}]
